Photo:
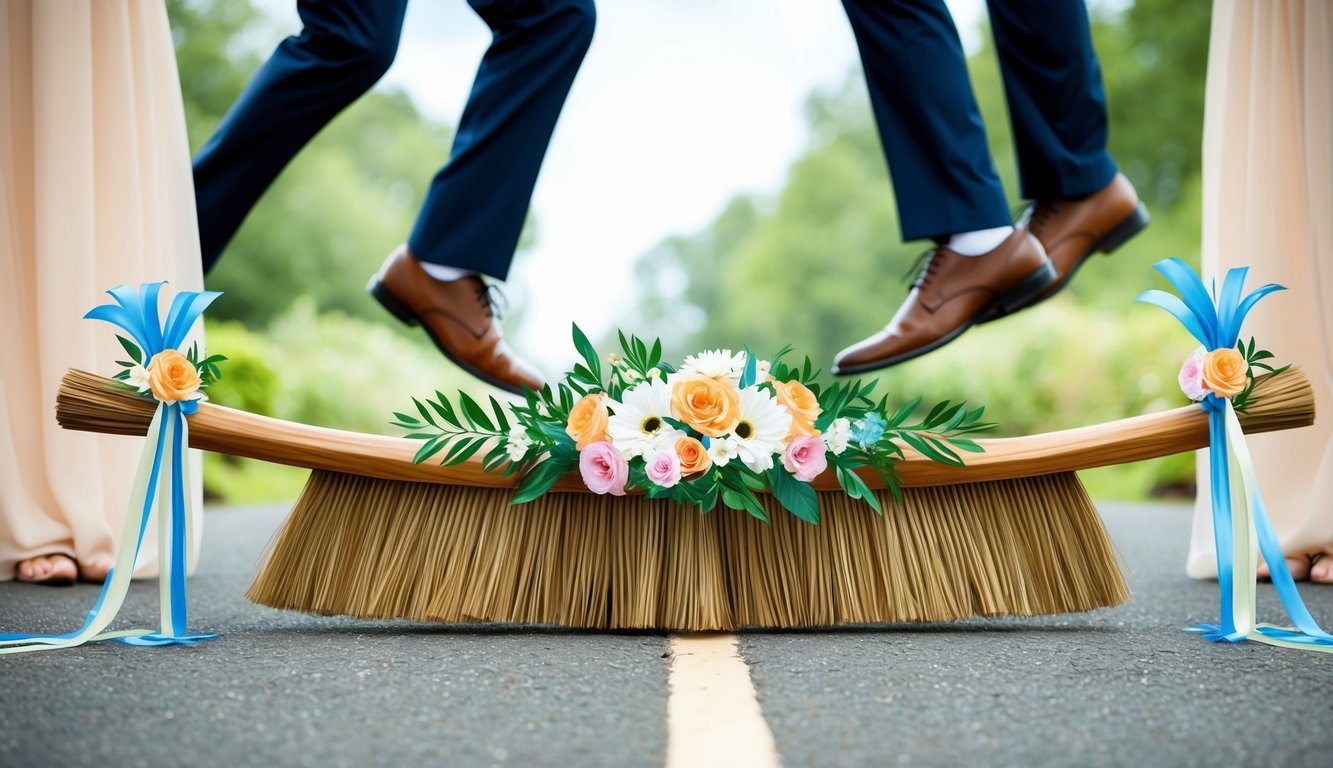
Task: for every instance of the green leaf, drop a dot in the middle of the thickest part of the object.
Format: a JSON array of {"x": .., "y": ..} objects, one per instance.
[
  {"x": 537, "y": 482},
  {"x": 936, "y": 415},
  {"x": 855, "y": 487},
  {"x": 474, "y": 413},
  {"x": 430, "y": 448},
  {"x": 405, "y": 418},
  {"x": 501, "y": 420},
  {"x": 962, "y": 443},
  {"x": 425, "y": 414},
  {"x": 733, "y": 499},
  {"x": 131, "y": 349},
  {"x": 752, "y": 481},
  {"x": 459, "y": 445},
  {"x": 443, "y": 407},
  {"x": 797, "y": 497},
  {"x": 931, "y": 450},
  {"x": 588, "y": 352},
  {"x": 902, "y": 413}
]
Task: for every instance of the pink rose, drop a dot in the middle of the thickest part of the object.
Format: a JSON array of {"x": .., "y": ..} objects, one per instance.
[
  {"x": 664, "y": 468},
  {"x": 604, "y": 470},
  {"x": 1191, "y": 376},
  {"x": 805, "y": 458}
]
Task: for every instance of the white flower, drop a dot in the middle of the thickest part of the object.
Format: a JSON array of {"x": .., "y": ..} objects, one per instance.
[
  {"x": 762, "y": 430},
  {"x": 517, "y": 444},
  {"x": 762, "y": 368},
  {"x": 664, "y": 440},
  {"x": 629, "y": 375},
  {"x": 639, "y": 418},
  {"x": 837, "y": 435},
  {"x": 721, "y": 449},
  {"x": 139, "y": 377},
  {"x": 715, "y": 364}
]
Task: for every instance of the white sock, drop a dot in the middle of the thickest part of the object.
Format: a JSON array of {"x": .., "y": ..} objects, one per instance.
[
  {"x": 441, "y": 272},
  {"x": 979, "y": 242}
]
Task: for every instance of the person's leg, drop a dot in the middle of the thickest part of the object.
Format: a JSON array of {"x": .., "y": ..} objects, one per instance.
[
  {"x": 1057, "y": 106},
  {"x": 929, "y": 124},
  {"x": 945, "y": 182},
  {"x": 345, "y": 46},
  {"x": 474, "y": 211},
  {"x": 1057, "y": 103}
]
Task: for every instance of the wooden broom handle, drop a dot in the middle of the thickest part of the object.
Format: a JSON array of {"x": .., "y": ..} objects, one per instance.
[{"x": 92, "y": 403}]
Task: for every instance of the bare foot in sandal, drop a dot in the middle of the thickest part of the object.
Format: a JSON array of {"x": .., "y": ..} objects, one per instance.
[
  {"x": 50, "y": 570},
  {"x": 96, "y": 568}
]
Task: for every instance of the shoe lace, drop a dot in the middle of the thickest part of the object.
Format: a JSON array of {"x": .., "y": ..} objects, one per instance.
[
  {"x": 1041, "y": 213},
  {"x": 923, "y": 268},
  {"x": 492, "y": 299}
]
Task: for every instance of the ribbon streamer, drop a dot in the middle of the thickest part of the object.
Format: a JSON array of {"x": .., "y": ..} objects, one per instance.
[
  {"x": 1241, "y": 528},
  {"x": 159, "y": 484}
]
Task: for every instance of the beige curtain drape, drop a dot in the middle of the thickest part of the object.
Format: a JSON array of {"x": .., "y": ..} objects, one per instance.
[
  {"x": 95, "y": 190},
  {"x": 1268, "y": 203}
]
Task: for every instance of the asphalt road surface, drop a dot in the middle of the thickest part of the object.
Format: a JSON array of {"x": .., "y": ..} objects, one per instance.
[{"x": 1122, "y": 686}]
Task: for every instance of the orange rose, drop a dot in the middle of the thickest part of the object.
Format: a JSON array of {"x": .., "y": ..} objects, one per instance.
[
  {"x": 711, "y": 406},
  {"x": 172, "y": 377},
  {"x": 587, "y": 421},
  {"x": 801, "y": 403},
  {"x": 1224, "y": 372},
  {"x": 693, "y": 456}
]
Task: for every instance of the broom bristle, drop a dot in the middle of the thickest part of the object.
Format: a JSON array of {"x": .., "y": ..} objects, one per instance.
[{"x": 385, "y": 549}]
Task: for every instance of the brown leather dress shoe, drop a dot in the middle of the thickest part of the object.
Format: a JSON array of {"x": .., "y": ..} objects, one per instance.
[
  {"x": 459, "y": 316},
  {"x": 1073, "y": 230},
  {"x": 952, "y": 293}
]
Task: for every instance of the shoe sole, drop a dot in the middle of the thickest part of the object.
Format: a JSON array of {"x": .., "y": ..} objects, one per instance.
[
  {"x": 1021, "y": 292},
  {"x": 409, "y": 318},
  {"x": 1137, "y": 221}
]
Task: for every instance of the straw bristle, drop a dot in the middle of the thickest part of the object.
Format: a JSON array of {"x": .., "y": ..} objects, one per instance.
[{"x": 383, "y": 549}]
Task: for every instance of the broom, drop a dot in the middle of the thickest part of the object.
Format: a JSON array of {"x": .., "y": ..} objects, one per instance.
[{"x": 374, "y": 535}]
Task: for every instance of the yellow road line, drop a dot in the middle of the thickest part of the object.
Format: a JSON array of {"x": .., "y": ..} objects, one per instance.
[{"x": 713, "y": 715}]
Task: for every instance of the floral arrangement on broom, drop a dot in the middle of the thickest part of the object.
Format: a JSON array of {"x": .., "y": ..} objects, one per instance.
[{"x": 723, "y": 427}]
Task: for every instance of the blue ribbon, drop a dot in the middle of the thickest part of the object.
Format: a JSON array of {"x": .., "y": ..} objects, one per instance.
[
  {"x": 1215, "y": 319},
  {"x": 137, "y": 315}
]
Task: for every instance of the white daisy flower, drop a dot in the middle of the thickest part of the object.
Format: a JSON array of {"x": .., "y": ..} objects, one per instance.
[
  {"x": 639, "y": 418},
  {"x": 762, "y": 430},
  {"x": 517, "y": 444},
  {"x": 138, "y": 377},
  {"x": 721, "y": 450},
  {"x": 837, "y": 436},
  {"x": 715, "y": 364}
]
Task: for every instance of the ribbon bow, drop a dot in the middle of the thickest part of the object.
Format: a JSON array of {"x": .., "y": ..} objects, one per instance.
[
  {"x": 1239, "y": 518},
  {"x": 159, "y": 483}
]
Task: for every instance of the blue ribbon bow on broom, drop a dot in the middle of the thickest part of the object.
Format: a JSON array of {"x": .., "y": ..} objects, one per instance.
[
  {"x": 160, "y": 482},
  {"x": 1239, "y": 518}
]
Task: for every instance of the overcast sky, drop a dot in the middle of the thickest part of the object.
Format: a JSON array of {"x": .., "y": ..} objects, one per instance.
[{"x": 680, "y": 106}]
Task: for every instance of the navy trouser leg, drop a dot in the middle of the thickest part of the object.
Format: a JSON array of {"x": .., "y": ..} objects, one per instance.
[
  {"x": 1057, "y": 103},
  {"x": 343, "y": 49},
  {"x": 476, "y": 204},
  {"x": 943, "y": 176}
]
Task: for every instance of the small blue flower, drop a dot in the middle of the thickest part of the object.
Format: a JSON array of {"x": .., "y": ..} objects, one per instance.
[{"x": 867, "y": 430}]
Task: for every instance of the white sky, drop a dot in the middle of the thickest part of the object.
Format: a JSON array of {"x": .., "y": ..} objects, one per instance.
[{"x": 680, "y": 106}]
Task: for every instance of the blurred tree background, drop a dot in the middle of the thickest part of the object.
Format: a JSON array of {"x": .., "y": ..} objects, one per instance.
[{"x": 815, "y": 264}]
